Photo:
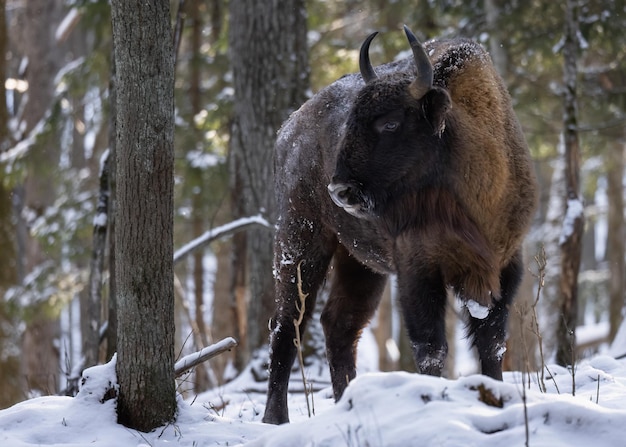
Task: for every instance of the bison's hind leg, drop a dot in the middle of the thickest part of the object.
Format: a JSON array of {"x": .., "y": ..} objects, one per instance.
[
  {"x": 354, "y": 296},
  {"x": 489, "y": 334}
]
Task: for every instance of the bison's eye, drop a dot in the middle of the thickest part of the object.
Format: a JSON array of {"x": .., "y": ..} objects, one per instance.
[
  {"x": 391, "y": 126},
  {"x": 389, "y": 122}
]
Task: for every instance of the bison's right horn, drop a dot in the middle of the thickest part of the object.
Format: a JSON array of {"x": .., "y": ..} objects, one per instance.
[
  {"x": 367, "y": 71},
  {"x": 424, "y": 81}
]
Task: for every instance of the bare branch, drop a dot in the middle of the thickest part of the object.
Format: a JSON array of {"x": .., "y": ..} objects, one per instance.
[
  {"x": 217, "y": 233},
  {"x": 206, "y": 353}
]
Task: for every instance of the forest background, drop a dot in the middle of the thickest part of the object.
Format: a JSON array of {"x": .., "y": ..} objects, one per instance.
[{"x": 56, "y": 130}]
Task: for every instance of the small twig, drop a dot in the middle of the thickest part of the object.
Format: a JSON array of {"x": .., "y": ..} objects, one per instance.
[
  {"x": 540, "y": 259},
  {"x": 542, "y": 263},
  {"x": 553, "y": 380},
  {"x": 301, "y": 307}
]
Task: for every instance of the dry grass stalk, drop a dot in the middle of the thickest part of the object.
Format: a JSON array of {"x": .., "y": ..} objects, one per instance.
[{"x": 301, "y": 307}]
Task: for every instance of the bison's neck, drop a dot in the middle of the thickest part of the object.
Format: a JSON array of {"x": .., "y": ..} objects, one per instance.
[
  {"x": 435, "y": 226},
  {"x": 426, "y": 207}
]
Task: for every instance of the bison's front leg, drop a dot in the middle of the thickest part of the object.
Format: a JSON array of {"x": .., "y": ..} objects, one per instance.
[
  {"x": 423, "y": 297},
  {"x": 489, "y": 334},
  {"x": 291, "y": 251},
  {"x": 354, "y": 297}
]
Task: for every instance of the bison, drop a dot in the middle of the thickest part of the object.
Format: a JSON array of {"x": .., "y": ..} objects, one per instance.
[{"x": 417, "y": 168}]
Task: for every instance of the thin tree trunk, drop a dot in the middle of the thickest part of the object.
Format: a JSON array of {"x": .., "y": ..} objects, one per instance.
[
  {"x": 201, "y": 380},
  {"x": 144, "y": 57},
  {"x": 10, "y": 386},
  {"x": 91, "y": 307},
  {"x": 111, "y": 301},
  {"x": 573, "y": 225},
  {"x": 615, "y": 246}
]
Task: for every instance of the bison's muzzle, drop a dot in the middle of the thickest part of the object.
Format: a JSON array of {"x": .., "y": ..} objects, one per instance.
[{"x": 351, "y": 199}]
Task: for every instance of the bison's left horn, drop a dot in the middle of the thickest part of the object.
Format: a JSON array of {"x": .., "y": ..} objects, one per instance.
[
  {"x": 367, "y": 71},
  {"x": 424, "y": 81}
]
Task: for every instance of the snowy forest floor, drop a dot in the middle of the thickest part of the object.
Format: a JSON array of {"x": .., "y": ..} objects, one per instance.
[{"x": 377, "y": 409}]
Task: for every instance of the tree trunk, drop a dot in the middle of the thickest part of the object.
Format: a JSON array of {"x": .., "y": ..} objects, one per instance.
[
  {"x": 91, "y": 303},
  {"x": 201, "y": 379},
  {"x": 144, "y": 61},
  {"x": 573, "y": 225},
  {"x": 268, "y": 52},
  {"x": 111, "y": 301},
  {"x": 10, "y": 386},
  {"x": 34, "y": 33},
  {"x": 615, "y": 247}
]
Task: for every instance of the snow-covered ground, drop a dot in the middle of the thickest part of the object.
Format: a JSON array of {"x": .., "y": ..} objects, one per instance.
[{"x": 378, "y": 409}]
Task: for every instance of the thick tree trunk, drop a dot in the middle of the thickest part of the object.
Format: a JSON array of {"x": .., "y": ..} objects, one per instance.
[
  {"x": 270, "y": 73},
  {"x": 144, "y": 60},
  {"x": 573, "y": 225}
]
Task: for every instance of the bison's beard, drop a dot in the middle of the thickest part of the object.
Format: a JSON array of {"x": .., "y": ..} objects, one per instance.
[{"x": 352, "y": 199}]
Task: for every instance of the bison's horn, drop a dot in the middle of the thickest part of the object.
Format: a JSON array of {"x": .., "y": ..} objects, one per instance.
[
  {"x": 424, "y": 80},
  {"x": 367, "y": 71}
]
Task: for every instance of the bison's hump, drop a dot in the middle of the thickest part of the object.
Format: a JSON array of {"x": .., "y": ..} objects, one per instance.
[{"x": 452, "y": 57}]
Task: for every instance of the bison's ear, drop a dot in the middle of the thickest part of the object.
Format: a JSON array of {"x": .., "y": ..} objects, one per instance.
[{"x": 435, "y": 104}]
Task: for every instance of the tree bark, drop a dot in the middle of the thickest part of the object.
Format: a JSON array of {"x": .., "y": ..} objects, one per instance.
[
  {"x": 144, "y": 61},
  {"x": 573, "y": 225},
  {"x": 269, "y": 58}
]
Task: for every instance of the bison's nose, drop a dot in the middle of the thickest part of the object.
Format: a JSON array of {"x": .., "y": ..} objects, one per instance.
[
  {"x": 341, "y": 193},
  {"x": 352, "y": 199}
]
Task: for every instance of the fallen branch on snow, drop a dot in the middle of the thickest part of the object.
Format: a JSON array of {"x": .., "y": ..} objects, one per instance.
[{"x": 206, "y": 353}]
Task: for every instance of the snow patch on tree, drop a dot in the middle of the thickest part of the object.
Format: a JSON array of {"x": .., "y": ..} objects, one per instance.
[
  {"x": 99, "y": 383},
  {"x": 575, "y": 210}
]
